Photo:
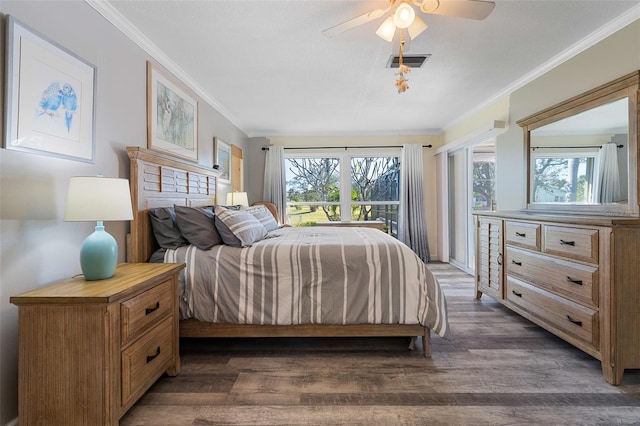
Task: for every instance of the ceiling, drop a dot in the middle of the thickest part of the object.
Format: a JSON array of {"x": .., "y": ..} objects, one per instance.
[{"x": 267, "y": 67}]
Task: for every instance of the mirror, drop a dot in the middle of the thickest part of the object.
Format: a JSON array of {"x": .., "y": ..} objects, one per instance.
[
  {"x": 571, "y": 159},
  {"x": 582, "y": 154}
]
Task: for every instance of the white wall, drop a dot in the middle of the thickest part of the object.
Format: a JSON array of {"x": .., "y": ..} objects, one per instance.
[{"x": 36, "y": 246}]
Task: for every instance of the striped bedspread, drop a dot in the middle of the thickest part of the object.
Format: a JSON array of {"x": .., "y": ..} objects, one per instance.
[{"x": 311, "y": 275}]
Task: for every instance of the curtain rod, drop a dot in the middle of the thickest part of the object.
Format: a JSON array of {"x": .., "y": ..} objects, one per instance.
[
  {"x": 533, "y": 148},
  {"x": 266, "y": 148}
]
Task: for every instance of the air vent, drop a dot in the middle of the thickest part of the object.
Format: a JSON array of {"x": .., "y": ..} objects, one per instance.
[{"x": 413, "y": 61}]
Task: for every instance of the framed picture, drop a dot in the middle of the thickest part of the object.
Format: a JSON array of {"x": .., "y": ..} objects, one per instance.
[
  {"x": 50, "y": 97},
  {"x": 222, "y": 158},
  {"x": 172, "y": 116}
]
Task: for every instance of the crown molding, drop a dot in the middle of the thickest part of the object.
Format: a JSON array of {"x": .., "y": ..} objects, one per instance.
[{"x": 111, "y": 14}]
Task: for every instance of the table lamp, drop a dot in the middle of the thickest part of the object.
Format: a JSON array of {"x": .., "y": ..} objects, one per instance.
[
  {"x": 237, "y": 198},
  {"x": 98, "y": 199}
]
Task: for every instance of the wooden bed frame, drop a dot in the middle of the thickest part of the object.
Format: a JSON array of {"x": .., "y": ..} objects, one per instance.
[{"x": 161, "y": 180}]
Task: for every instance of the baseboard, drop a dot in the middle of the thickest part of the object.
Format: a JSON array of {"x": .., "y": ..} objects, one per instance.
[{"x": 13, "y": 422}]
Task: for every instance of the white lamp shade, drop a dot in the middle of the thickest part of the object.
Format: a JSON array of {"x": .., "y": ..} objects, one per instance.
[
  {"x": 98, "y": 198},
  {"x": 237, "y": 198},
  {"x": 387, "y": 29},
  {"x": 416, "y": 28},
  {"x": 404, "y": 16}
]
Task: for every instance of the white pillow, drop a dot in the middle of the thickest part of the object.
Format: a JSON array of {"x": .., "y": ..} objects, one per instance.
[
  {"x": 264, "y": 216},
  {"x": 238, "y": 228}
]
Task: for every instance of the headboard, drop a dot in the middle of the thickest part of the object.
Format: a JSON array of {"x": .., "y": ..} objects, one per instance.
[{"x": 160, "y": 180}]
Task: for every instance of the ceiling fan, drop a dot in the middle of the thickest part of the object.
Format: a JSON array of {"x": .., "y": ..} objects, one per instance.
[{"x": 404, "y": 16}]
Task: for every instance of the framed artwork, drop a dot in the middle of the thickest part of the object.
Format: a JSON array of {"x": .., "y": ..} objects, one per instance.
[
  {"x": 50, "y": 97},
  {"x": 222, "y": 158},
  {"x": 172, "y": 116}
]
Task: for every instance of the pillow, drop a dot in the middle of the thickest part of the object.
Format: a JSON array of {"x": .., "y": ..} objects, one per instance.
[
  {"x": 238, "y": 228},
  {"x": 165, "y": 229},
  {"x": 264, "y": 216},
  {"x": 197, "y": 225}
]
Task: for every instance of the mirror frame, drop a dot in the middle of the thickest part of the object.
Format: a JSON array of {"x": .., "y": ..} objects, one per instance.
[{"x": 623, "y": 87}]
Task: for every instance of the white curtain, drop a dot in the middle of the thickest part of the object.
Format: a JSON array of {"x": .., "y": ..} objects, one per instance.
[
  {"x": 608, "y": 183},
  {"x": 275, "y": 181},
  {"x": 412, "y": 226}
]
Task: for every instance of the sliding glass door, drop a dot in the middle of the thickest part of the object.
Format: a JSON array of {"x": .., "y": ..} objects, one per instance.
[{"x": 471, "y": 182}]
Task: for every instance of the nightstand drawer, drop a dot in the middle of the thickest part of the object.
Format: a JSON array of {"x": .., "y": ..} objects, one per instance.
[
  {"x": 571, "y": 318},
  {"x": 141, "y": 312},
  {"x": 574, "y": 243},
  {"x": 146, "y": 359}
]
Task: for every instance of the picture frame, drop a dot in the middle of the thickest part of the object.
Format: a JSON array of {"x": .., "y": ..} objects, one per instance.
[
  {"x": 50, "y": 102},
  {"x": 222, "y": 158},
  {"x": 172, "y": 115}
]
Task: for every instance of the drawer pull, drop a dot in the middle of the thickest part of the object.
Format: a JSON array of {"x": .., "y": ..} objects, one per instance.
[
  {"x": 150, "y": 310},
  {"x": 576, "y": 322},
  {"x": 579, "y": 282},
  {"x": 567, "y": 243},
  {"x": 516, "y": 263},
  {"x": 516, "y": 293},
  {"x": 520, "y": 234},
  {"x": 152, "y": 357}
]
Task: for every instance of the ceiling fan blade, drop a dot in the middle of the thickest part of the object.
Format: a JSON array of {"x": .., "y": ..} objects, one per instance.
[
  {"x": 470, "y": 9},
  {"x": 355, "y": 22}
]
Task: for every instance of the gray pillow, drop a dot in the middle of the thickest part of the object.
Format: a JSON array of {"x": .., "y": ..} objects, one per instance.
[
  {"x": 238, "y": 228},
  {"x": 264, "y": 216},
  {"x": 196, "y": 224},
  {"x": 165, "y": 228}
]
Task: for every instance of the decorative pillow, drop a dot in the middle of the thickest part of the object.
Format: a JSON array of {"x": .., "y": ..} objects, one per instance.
[
  {"x": 197, "y": 225},
  {"x": 238, "y": 228},
  {"x": 165, "y": 228},
  {"x": 264, "y": 216}
]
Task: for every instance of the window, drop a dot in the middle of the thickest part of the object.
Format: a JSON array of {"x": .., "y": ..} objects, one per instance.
[
  {"x": 313, "y": 189},
  {"x": 566, "y": 178},
  {"x": 484, "y": 177},
  {"x": 343, "y": 187}
]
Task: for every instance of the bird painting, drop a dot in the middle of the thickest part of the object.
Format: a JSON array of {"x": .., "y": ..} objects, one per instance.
[
  {"x": 70, "y": 104},
  {"x": 55, "y": 99}
]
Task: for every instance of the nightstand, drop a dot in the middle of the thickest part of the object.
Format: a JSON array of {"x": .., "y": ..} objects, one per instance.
[{"x": 89, "y": 349}]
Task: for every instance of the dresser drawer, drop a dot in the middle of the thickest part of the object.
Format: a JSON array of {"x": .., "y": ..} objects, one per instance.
[
  {"x": 569, "y": 317},
  {"x": 574, "y": 280},
  {"x": 146, "y": 359},
  {"x": 574, "y": 243},
  {"x": 139, "y": 313},
  {"x": 523, "y": 234}
]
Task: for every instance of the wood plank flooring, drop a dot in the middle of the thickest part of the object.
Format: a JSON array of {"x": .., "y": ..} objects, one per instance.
[{"x": 500, "y": 369}]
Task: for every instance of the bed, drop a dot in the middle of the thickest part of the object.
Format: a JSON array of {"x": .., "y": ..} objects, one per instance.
[{"x": 320, "y": 294}]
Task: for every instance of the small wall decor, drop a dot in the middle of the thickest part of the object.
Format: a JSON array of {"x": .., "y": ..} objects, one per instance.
[
  {"x": 172, "y": 116},
  {"x": 222, "y": 158},
  {"x": 50, "y": 97}
]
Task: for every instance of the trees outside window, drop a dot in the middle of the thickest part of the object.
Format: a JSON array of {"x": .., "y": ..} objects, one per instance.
[{"x": 343, "y": 187}]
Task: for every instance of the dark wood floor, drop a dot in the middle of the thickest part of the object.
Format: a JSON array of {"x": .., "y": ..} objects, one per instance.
[{"x": 499, "y": 369}]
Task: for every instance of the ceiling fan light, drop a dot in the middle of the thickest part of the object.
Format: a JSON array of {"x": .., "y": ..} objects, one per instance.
[
  {"x": 416, "y": 28},
  {"x": 387, "y": 29},
  {"x": 404, "y": 15}
]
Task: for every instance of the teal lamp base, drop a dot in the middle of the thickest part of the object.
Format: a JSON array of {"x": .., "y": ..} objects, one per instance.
[{"x": 99, "y": 255}]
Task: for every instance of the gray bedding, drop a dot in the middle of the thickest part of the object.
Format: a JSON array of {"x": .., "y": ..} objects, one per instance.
[{"x": 311, "y": 275}]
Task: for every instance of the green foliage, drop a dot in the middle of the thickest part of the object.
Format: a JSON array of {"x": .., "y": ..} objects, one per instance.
[{"x": 307, "y": 223}]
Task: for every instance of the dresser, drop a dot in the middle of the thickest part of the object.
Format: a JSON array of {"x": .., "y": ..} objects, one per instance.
[
  {"x": 577, "y": 277},
  {"x": 89, "y": 349}
]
